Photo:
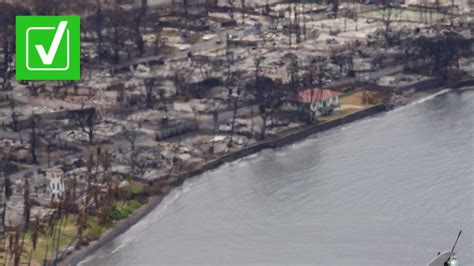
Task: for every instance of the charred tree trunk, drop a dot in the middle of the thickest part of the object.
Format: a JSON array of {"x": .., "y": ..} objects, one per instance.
[
  {"x": 33, "y": 138},
  {"x": 263, "y": 130},
  {"x": 98, "y": 29},
  {"x": 185, "y": 6}
]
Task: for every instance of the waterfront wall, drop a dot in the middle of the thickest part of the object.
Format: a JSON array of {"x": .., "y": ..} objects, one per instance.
[
  {"x": 287, "y": 138},
  {"x": 426, "y": 84},
  {"x": 461, "y": 83}
]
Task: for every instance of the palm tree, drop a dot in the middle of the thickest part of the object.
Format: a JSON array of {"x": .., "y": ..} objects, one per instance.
[
  {"x": 36, "y": 230},
  {"x": 106, "y": 161},
  {"x": 81, "y": 221},
  {"x": 105, "y": 215},
  {"x": 27, "y": 205},
  {"x": 16, "y": 246}
]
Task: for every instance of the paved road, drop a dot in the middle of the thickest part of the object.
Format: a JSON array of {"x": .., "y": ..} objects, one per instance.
[
  {"x": 203, "y": 46},
  {"x": 12, "y": 135}
]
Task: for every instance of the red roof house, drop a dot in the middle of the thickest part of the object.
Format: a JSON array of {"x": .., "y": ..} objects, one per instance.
[
  {"x": 320, "y": 101},
  {"x": 315, "y": 95}
]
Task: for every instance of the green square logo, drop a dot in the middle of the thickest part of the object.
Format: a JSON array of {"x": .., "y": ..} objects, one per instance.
[{"x": 48, "y": 48}]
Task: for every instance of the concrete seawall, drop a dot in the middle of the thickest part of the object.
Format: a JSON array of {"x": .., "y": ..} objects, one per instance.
[
  {"x": 290, "y": 137},
  {"x": 461, "y": 83}
]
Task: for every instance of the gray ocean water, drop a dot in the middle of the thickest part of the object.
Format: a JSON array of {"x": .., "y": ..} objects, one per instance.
[{"x": 389, "y": 190}]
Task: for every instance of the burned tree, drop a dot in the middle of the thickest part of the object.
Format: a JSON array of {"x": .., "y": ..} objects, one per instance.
[
  {"x": 86, "y": 119},
  {"x": 215, "y": 119},
  {"x": 34, "y": 121},
  {"x": 242, "y": 6},
  {"x": 26, "y": 204},
  {"x": 179, "y": 75},
  {"x": 204, "y": 65},
  {"x": 164, "y": 103},
  {"x": 105, "y": 160},
  {"x": 185, "y": 6},
  {"x": 143, "y": 159},
  {"x": 50, "y": 135},
  {"x": 49, "y": 7},
  {"x": 231, "y": 8},
  {"x": 345, "y": 63},
  {"x": 297, "y": 23},
  {"x": 290, "y": 27},
  {"x": 315, "y": 72},
  {"x": 232, "y": 78},
  {"x": 293, "y": 69},
  {"x": 268, "y": 94},
  {"x": 118, "y": 24},
  {"x": 138, "y": 19},
  {"x": 14, "y": 115},
  {"x": 98, "y": 21},
  {"x": 313, "y": 75},
  {"x": 441, "y": 51},
  {"x": 6, "y": 188},
  {"x": 131, "y": 136},
  {"x": 235, "y": 97},
  {"x": 150, "y": 84},
  {"x": 389, "y": 15},
  {"x": 8, "y": 12}
]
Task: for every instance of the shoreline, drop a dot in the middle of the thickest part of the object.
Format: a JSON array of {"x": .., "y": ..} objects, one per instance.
[
  {"x": 285, "y": 138},
  {"x": 292, "y": 136}
]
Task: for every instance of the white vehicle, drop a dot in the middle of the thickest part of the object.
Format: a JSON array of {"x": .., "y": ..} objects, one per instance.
[
  {"x": 184, "y": 47},
  {"x": 233, "y": 37},
  {"x": 207, "y": 37}
]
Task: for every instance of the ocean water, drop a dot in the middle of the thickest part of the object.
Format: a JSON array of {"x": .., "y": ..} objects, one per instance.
[{"x": 388, "y": 190}]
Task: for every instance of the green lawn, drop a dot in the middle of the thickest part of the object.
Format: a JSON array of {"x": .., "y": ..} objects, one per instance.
[
  {"x": 68, "y": 232},
  {"x": 407, "y": 15}
]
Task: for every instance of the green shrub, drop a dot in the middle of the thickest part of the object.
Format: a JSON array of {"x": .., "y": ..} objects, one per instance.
[
  {"x": 122, "y": 210},
  {"x": 136, "y": 188},
  {"x": 133, "y": 204},
  {"x": 95, "y": 230}
]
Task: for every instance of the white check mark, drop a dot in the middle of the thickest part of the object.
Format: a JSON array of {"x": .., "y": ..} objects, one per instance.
[{"x": 48, "y": 58}]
